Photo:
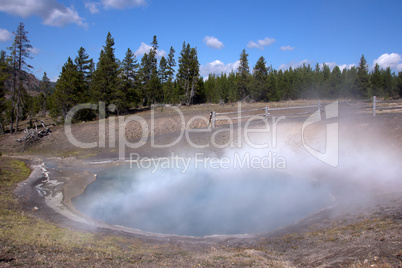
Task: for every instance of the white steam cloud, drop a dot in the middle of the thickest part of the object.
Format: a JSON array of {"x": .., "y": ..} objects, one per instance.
[{"x": 269, "y": 188}]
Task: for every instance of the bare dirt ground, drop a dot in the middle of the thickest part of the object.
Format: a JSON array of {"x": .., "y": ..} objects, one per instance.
[{"x": 361, "y": 229}]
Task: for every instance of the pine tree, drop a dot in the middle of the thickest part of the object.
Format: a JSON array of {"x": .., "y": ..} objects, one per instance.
[
  {"x": 69, "y": 91},
  {"x": 130, "y": 77},
  {"x": 44, "y": 86},
  {"x": 389, "y": 87},
  {"x": 168, "y": 91},
  {"x": 349, "y": 83},
  {"x": 145, "y": 77},
  {"x": 3, "y": 77},
  {"x": 163, "y": 70},
  {"x": 325, "y": 87},
  {"x": 20, "y": 53},
  {"x": 377, "y": 81},
  {"x": 188, "y": 73},
  {"x": 151, "y": 88},
  {"x": 171, "y": 63},
  {"x": 105, "y": 85},
  {"x": 307, "y": 79},
  {"x": 335, "y": 83},
  {"x": 362, "y": 79},
  {"x": 154, "y": 86},
  {"x": 260, "y": 75},
  {"x": 83, "y": 62},
  {"x": 288, "y": 91},
  {"x": 232, "y": 94},
  {"x": 272, "y": 86},
  {"x": 244, "y": 75}
]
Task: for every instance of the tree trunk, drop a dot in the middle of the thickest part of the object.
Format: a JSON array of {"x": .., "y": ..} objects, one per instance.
[
  {"x": 13, "y": 101},
  {"x": 1, "y": 128},
  {"x": 17, "y": 115}
]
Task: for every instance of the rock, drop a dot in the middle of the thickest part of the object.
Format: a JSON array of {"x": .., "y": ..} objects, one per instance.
[{"x": 35, "y": 209}]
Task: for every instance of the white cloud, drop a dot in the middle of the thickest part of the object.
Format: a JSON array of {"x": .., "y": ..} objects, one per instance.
[
  {"x": 122, "y": 4},
  {"x": 294, "y": 64},
  {"x": 144, "y": 48},
  {"x": 34, "y": 50},
  {"x": 60, "y": 18},
  {"x": 266, "y": 41},
  {"x": 261, "y": 43},
  {"x": 213, "y": 42},
  {"x": 218, "y": 67},
  {"x": 52, "y": 13},
  {"x": 346, "y": 66},
  {"x": 4, "y": 35},
  {"x": 332, "y": 65},
  {"x": 93, "y": 7},
  {"x": 287, "y": 48},
  {"x": 393, "y": 60},
  {"x": 252, "y": 44}
]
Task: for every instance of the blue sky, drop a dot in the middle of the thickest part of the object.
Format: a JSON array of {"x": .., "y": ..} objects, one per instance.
[{"x": 286, "y": 33}]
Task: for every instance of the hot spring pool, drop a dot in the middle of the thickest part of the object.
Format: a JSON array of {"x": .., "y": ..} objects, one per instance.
[{"x": 201, "y": 201}]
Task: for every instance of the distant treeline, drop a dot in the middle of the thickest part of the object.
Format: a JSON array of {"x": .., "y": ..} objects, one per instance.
[
  {"x": 267, "y": 84},
  {"x": 130, "y": 83}
]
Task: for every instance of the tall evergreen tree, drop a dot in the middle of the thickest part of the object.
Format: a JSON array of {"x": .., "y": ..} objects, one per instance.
[
  {"x": 3, "y": 77},
  {"x": 20, "y": 53},
  {"x": 188, "y": 73},
  {"x": 171, "y": 63},
  {"x": 149, "y": 75},
  {"x": 232, "y": 94},
  {"x": 325, "y": 86},
  {"x": 260, "y": 75},
  {"x": 44, "y": 86},
  {"x": 154, "y": 87},
  {"x": 377, "y": 82},
  {"x": 163, "y": 71},
  {"x": 349, "y": 83},
  {"x": 362, "y": 79},
  {"x": 130, "y": 77},
  {"x": 335, "y": 83},
  {"x": 244, "y": 75},
  {"x": 105, "y": 85},
  {"x": 69, "y": 91},
  {"x": 168, "y": 91},
  {"x": 389, "y": 85},
  {"x": 272, "y": 86}
]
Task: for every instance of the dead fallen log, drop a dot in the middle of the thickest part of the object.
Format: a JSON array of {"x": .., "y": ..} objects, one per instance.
[{"x": 34, "y": 134}]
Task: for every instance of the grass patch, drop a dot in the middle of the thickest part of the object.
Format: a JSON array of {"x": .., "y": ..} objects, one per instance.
[{"x": 26, "y": 240}]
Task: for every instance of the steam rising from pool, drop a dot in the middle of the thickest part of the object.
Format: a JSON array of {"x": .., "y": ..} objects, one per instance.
[{"x": 201, "y": 201}]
